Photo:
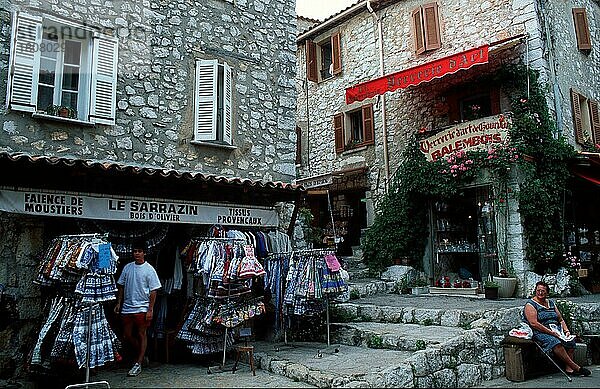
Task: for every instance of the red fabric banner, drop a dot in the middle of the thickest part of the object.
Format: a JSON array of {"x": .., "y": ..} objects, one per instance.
[{"x": 418, "y": 74}]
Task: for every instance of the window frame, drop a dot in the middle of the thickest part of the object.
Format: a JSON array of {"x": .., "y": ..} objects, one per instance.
[
  {"x": 586, "y": 118},
  {"x": 426, "y": 28},
  {"x": 98, "y": 65},
  {"x": 315, "y": 70},
  {"x": 582, "y": 29},
  {"x": 344, "y": 132},
  {"x": 213, "y": 97}
]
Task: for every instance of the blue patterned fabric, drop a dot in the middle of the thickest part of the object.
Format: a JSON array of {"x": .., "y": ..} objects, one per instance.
[{"x": 547, "y": 316}]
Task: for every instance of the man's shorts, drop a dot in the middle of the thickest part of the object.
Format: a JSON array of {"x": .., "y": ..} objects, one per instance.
[{"x": 136, "y": 319}]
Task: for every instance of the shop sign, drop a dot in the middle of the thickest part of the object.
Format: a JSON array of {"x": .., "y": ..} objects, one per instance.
[
  {"x": 100, "y": 207},
  {"x": 474, "y": 135},
  {"x": 316, "y": 181},
  {"x": 418, "y": 74}
]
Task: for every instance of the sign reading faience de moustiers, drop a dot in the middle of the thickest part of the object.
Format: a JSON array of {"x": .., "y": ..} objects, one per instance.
[
  {"x": 474, "y": 135},
  {"x": 93, "y": 206}
]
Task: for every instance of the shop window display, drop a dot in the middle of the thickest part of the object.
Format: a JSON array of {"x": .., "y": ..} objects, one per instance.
[{"x": 464, "y": 239}]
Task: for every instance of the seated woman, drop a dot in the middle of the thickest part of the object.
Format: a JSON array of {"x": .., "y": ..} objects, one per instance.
[{"x": 540, "y": 313}]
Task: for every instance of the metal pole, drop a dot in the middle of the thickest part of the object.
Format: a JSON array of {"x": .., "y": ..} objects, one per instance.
[
  {"x": 327, "y": 315},
  {"x": 89, "y": 346},
  {"x": 224, "y": 348}
]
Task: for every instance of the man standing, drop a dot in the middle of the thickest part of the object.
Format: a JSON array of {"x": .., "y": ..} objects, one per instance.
[{"x": 137, "y": 293}]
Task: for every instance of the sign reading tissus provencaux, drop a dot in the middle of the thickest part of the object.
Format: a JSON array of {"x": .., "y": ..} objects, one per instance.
[
  {"x": 474, "y": 135},
  {"x": 91, "y": 206}
]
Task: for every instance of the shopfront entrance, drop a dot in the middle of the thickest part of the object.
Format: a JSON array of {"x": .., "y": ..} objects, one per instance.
[{"x": 464, "y": 237}]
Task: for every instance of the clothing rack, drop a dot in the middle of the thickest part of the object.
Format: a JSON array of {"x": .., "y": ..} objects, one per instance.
[
  {"x": 221, "y": 239},
  {"x": 96, "y": 235},
  {"x": 311, "y": 251}
]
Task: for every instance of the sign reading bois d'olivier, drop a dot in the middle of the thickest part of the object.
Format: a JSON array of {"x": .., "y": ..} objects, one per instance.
[
  {"x": 474, "y": 135},
  {"x": 64, "y": 204}
]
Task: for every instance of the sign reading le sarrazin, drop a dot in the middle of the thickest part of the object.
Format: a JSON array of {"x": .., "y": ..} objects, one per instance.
[
  {"x": 474, "y": 135},
  {"x": 102, "y": 207}
]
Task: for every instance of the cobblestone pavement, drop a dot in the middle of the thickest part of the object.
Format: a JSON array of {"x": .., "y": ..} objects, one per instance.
[{"x": 195, "y": 376}]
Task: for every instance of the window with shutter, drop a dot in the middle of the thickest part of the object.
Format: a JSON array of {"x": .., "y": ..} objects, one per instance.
[
  {"x": 298, "y": 146},
  {"x": 581, "y": 118},
  {"x": 582, "y": 29},
  {"x": 354, "y": 128},
  {"x": 595, "y": 120},
  {"x": 338, "y": 127},
  {"x": 324, "y": 58},
  {"x": 213, "y": 112},
  {"x": 311, "y": 61},
  {"x": 431, "y": 26},
  {"x": 368, "y": 130},
  {"x": 62, "y": 69},
  {"x": 426, "y": 28},
  {"x": 336, "y": 53}
]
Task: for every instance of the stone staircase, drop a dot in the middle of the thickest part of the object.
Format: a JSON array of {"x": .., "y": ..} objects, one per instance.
[{"x": 383, "y": 339}]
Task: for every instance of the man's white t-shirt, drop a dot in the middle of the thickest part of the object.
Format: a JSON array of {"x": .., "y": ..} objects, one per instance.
[{"x": 138, "y": 281}]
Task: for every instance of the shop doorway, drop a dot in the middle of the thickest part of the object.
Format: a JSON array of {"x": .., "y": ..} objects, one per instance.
[
  {"x": 464, "y": 239},
  {"x": 349, "y": 214},
  {"x": 582, "y": 231}
]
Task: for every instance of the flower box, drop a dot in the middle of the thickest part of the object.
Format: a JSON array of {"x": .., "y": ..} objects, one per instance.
[{"x": 582, "y": 273}]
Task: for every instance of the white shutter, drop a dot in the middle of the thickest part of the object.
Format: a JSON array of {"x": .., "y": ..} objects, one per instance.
[
  {"x": 24, "y": 62},
  {"x": 104, "y": 79},
  {"x": 227, "y": 98},
  {"x": 205, "y": 116}
]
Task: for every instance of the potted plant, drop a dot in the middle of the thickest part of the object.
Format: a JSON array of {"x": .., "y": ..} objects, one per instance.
[
  {"x": 419, "y": 286},
  {"x": 491, "y": 290},
  {"x": 62, "y": 111},
  {"x": 506, "y": 281}
]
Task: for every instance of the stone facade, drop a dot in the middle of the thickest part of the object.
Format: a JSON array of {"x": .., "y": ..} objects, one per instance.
[
  {"x": 159, "y": 42},
  {"x": 550, "y": 39},
  {"x": 158, "y": 45}
]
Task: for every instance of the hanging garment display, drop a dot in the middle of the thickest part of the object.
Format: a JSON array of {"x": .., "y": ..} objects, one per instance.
[
  {"x": 80, "y": 270},
  {"x": 227, "y": 267}
]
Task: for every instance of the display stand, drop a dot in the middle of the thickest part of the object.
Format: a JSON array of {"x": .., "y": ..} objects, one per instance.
[
  {"x": 87, "y": 383},
  {"x": 313, "y": 251},
  {"x": 90, "y": 308},
  {"x": 221, "y": 368}
]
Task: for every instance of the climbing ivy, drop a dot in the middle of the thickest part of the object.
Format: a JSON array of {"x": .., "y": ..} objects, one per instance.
[{"x": 400, "y": 228}]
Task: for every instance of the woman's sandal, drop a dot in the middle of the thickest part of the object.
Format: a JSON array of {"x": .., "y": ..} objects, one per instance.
[{"x": 583, "y": 372}]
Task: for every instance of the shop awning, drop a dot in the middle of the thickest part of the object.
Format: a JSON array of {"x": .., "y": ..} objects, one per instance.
[
  {"x": 587, "y": 166},
  {"x": 424, "y": 73},
  {"x": 109, "y": 177}
]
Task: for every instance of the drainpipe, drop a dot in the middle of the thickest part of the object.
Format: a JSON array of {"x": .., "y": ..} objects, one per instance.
[
  {"x": 386, "y": 161},
  {"x": 555, "y": 88}
]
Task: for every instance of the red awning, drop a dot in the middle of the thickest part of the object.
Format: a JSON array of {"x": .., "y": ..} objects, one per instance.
[
  {"x": 418, "y": 74},
  {"x": 588, "y": 167}
]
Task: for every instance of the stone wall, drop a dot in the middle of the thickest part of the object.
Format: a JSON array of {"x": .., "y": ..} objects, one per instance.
[
  {"x": 159, "y": 42},
  {"x": 575, "y": 68},
  {"x": 464, "y": 25},
  {"x": 21, "y": 238}
]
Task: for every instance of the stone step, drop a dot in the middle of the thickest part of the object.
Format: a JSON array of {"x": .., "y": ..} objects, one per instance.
[
  {"x": 353, "y": 263},
  {"x": 357, "y": 251},
  {"x": 359, "y": 274},
  {"x": 354, "y": 310},
  {"x": 328, "y": 366},
  {"x": 462, "y": 361},
  {"x": 364, "y": 287},
  {"x": 391, "y": 336}
]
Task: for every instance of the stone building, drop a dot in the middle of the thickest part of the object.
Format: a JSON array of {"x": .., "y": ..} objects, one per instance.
[
  {"x": 155, "y": 119},
  {"x": 376, "y": 73}
]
